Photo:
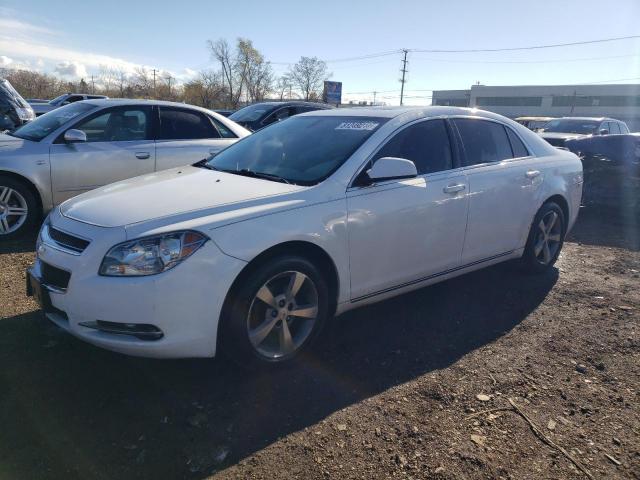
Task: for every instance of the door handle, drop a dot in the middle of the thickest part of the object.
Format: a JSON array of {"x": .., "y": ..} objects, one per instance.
[
  {"x": 455, "y": 188},
  {"x": 143, "y": 155},
  {"x": 532, "y": 173}
]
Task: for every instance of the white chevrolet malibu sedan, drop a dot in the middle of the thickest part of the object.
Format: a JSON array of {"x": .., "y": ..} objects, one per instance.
[{"x": 252, "y": 250}]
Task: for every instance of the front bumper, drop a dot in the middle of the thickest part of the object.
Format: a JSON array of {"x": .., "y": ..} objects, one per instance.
[{"x": 183, "y": 303}]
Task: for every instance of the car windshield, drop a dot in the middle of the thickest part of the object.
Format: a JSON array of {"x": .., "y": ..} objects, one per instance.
[
  {"x": 250, "y": 113},
  {"x": 572, "y": 126},
  {"x": 42, "y": 126},
  {"x": 303, "y": 150}
]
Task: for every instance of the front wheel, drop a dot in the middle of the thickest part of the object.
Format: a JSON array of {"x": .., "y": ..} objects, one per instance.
[
  {"x": 546, "y": 238},
  {"x": 18, "y": 208},
  {"x": 275, "y": 312}
]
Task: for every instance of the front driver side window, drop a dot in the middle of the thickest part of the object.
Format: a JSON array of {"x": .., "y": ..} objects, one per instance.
[
  {"x": 425, "y": 143},
  {"x": 116, "y": 125}
]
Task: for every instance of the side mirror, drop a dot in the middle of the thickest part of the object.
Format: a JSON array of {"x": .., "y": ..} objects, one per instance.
[
  {"x": 75, "y": 136},
  {"x": 392, "y": 168},
  {"x": 604, "y": 131}
]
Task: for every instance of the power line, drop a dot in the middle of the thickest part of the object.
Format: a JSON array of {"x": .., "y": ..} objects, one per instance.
[
  {"x": 534, "y": 47},
  {"x": 525, "y": 61}
]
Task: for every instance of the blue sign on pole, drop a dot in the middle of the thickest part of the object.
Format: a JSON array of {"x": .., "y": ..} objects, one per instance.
[{"x": 332, "y": 92}]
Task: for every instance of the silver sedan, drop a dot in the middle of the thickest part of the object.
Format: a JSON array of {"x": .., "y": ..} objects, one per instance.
[{"x": 88, "y": 144}]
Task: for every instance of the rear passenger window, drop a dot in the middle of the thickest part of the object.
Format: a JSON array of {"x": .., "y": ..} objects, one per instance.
[
  {"x": 623, "y": 128},
  {"x": 224, "y": 131},
  {"x": 484, "y": 141},
  {"x": 425, "y": 143},
  {"x": 614, "y": 129},
  {"x": 519, "y": 150},
  {"x": 185, "y": 125}
]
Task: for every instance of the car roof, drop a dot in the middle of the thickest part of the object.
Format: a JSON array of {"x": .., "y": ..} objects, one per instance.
[
  {"x": 595, "y": 119},
  {"x": 535, "y": 118},
  {"x": 391, "y": 112},
  {"x": 289, "y": 103}
]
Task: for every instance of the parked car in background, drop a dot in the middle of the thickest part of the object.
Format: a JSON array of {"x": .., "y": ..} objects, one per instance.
[
  {"x": 43, "y": 107},
  {"x": 324, "y": 212},
  {"x": 87, "y": 144},
  {"x": 14, "y": 110},
  {"x": 558, "y": 131},
  {"x": 259, "y": 115},
  {"x": 534, "y": 123},
  {"x": 224, "y": 113}
]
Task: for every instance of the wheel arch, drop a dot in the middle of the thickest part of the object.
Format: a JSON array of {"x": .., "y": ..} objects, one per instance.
[
  {"x": 29, "y": 184},
  {"x": 305, "y": 249},
  {"x": 562, "y": 203}
]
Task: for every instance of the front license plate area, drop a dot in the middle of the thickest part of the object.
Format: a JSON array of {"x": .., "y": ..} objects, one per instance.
[{"x": 38, "y": 292}]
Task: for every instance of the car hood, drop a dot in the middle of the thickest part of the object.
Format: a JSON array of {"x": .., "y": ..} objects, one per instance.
[{"x": 180, "y": 192}]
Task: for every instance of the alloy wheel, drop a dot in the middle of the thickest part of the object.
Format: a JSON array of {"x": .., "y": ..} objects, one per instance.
[
  {"x": 13, "y": 210},
  {"x": 282, "y": 315},
  {"x": 548, "y": 238}
]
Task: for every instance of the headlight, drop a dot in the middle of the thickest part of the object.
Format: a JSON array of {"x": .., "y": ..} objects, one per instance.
[{"x": 150, "y": 255}]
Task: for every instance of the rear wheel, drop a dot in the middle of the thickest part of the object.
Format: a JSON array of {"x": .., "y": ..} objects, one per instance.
[
  {"x": 275, "y": 312},
  {"x": 545, "y": 238},
  {"x": 18, "y": 208}
]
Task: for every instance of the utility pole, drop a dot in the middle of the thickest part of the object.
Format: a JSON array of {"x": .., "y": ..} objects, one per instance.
[
  {"x": 169, "y": 78},
  {"x": 404, "y": 71},
  {"x": 374, "y": 98},
  {"x": 154, "y": 82},
  {"x": 93, "y": 85}
]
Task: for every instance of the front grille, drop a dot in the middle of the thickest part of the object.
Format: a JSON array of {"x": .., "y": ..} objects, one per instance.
[
  {"x": 68, "y": 241},
  {"x": 54, "y": 276}
]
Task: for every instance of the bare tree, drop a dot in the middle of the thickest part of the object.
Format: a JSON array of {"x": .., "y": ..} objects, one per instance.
[
  {"x": 255, "y": 74},
  {"x": 284, "y": 86},
  {"x": 308, "y": 75},
  {"x": 221, "y": 52}
]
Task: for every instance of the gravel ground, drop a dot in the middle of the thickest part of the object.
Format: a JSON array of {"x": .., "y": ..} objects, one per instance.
[{"x": 490, "y": 375}]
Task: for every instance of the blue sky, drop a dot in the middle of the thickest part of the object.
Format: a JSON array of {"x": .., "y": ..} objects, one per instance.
[{"x": 75, "y": 37}]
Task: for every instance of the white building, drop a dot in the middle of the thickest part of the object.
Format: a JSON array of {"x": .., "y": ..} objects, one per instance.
[{"x": 616, "y": 101}]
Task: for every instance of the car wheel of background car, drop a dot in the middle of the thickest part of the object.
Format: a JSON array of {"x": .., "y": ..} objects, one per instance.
[
  {"x": 275, "y": 312},
  {"x": 545, "y": 238},
  {"x": 18, "y": 208}
]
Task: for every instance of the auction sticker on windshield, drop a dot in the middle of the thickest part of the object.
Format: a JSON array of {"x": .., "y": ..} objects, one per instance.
[{"x": 357, "y": 126}]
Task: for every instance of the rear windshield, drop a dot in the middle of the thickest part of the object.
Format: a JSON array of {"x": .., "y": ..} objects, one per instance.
[
  {"x": 250, "y": 113},
  {"x": 13, "y": 95},
  {"x": 42, "y": 126},
  {"x": 303, "y": 149},
  {"x": 572, "y": 126}
]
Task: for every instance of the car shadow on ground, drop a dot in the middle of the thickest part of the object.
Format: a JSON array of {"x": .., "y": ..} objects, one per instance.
[
  {"x": 607, "y": 227},
  {"x": 69, "y": 410},
  {"x": 25, "y": 243}
]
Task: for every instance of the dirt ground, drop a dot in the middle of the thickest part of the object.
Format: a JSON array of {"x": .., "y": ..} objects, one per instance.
[{"x": 415, "y": 387}]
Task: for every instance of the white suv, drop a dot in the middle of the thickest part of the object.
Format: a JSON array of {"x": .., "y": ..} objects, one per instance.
[{"x": 310, "y": 217}]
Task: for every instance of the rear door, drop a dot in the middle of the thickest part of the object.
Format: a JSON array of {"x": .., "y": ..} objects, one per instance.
[
  {"x": 119, "y": 145},
  {"x": 503, "y": 181},
  {"x": 186, "y": 136},
  {"x": 404, "y": 231}
]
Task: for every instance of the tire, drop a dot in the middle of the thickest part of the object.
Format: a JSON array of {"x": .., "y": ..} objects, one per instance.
[
  {"x": 255, "y": 321},
  {"x": 545, "y": 240},
  {"x": 15, "y": 198}
]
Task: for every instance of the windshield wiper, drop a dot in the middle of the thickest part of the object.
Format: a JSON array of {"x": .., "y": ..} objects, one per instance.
[{"x": 245, "y": 172}]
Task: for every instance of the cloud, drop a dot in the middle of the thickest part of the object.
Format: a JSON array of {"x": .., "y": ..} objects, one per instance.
[
  {"x": 33, "y": 46},
  {"x": 71, "y": 69},
  {"x": 18, "y": 27}
]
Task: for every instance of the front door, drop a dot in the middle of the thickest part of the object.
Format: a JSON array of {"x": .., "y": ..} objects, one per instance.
[
  {"x": 403, "y": 232},
  {"x": 119, "y": 146}
]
